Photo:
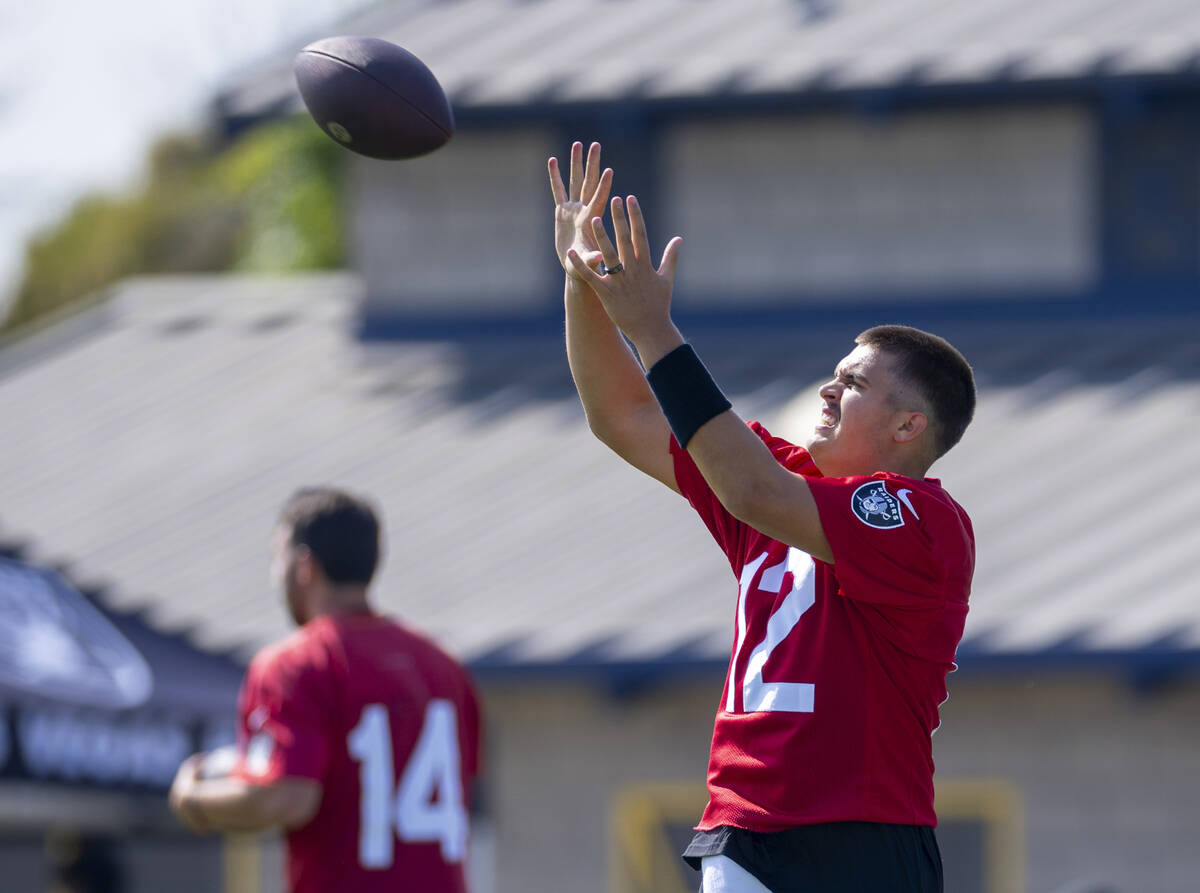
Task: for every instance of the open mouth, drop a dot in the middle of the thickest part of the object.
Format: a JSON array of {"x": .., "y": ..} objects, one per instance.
[{"x": 829, "y": 417}]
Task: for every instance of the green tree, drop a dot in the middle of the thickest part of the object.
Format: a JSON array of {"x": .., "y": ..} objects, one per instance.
[{"x": 268, "y": 202}]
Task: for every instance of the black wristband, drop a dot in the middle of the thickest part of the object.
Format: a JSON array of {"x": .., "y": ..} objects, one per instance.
[{"x": 686, "y": 392}]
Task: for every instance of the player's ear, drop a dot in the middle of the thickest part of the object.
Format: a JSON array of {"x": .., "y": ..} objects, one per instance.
[
  {"x": 306, "y": 568},
  {"x": 911, "y": 426}
]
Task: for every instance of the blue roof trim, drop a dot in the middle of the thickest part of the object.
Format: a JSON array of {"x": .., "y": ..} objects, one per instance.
[
  {"x": 1116, "y": 302},
  {"x": 874, "y": 100},
  {"x": 1144, "y": 670}
]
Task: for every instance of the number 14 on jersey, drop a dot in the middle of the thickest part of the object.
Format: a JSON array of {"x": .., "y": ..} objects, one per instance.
[{"x": 427, "y": 806}]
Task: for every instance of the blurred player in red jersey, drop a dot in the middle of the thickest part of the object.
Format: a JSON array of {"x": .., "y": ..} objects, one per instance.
[
  {"x": 853, "y": 567},
  {"x": 357, "y": 736}
]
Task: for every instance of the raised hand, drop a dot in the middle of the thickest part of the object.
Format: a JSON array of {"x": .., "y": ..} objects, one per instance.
[
  {"x": 576, "y": 204},
  {"x": 635, "y": 294}
]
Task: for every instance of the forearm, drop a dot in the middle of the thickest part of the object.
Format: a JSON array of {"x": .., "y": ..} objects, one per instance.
[
  {"x": 754, "y": 488},
  {"x": 620, "y": 407},
  {"x": 738, "y": 467},
  {"x": 607, "y": 375},
  {"x": 230, "y": 804}
]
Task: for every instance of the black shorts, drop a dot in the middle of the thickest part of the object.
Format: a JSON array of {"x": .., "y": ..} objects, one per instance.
[{"x": 836, "y": 857}]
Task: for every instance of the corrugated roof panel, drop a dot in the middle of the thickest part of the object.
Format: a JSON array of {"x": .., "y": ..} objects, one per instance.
[
  {"x": 494, "y": 37},
  {"x": 788, "y": 59},
  {"x": 1062, "y": 512},
  {"x": 1065, "y": 57},
  {"x": 1126, "y": 23},
  {"x": 639, "y": 52},
  {"x": 503, "y": 52},
  {"x": 1009, "y": 39},
  {"x": 1154, "y": 604},
  {"x": 834, "y": 45},
  {"x": 730, "y": 54},
  {"x": 911, "y": 53},
  {"x": 1117, "y": 571},
  {"x": 577, "y": 47},
  {"x": 1162, "y": 53},
  {"x": 442, "y": 29}
]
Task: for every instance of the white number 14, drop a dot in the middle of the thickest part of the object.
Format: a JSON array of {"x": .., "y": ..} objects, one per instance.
[{"x": 427, "y": 805}]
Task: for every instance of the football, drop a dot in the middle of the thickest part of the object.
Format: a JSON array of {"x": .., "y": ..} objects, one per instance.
[
  {"x": 219, "y": 762},
  {"x": 373, "y": 97}
]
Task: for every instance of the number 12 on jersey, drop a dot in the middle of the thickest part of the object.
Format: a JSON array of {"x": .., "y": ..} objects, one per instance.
[
  {"x": 427, "y": 806},
  {"x": 757, "y": 694}
]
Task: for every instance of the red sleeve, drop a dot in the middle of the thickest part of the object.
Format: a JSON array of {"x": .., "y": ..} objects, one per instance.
[
  {"x": 724, "y": 528},
  {"x": 728, "y": 531},
  {"x": 895, "y": 541},
  {"x": 283, "y": 728}
]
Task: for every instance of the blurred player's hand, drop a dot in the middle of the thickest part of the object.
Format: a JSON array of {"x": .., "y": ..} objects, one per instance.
[
  {"x": 185, "y": 781},
  {"x": 576, "y": 204}
]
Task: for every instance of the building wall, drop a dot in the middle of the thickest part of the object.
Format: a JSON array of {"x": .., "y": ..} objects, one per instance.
[
  {"x": 558, "y": 756},
  {"x": 810, "y": 207},
  {"x": 964, "y": 200},
  {"x": 1107, "y": 776},
  {"x": 1110, "y": 777},
  {"x": 463, "y": 229}
]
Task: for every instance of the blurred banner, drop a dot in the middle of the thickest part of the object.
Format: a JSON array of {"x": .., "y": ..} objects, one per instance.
[{"x": 96, "y": 699}]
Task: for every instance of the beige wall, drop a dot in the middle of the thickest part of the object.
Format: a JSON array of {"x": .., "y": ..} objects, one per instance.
[
  {"x": 959, "y": 199},
  {"x": 1110, "y": 779},
  {"x": 558, "y": 754},
  {"x": 467, "y": 227},
  {"x": 922, "y": 203}
]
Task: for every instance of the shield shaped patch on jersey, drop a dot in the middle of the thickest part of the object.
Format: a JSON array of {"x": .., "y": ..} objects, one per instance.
[{"x": 876, "y": 507}]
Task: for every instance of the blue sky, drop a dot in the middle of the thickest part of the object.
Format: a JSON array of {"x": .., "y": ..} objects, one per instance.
[{"x": 86, "y": 87}]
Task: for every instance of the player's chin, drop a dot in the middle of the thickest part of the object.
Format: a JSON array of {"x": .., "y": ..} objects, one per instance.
[
  {"x": 822, "y": 445},
  {"x": 821, "y": 435}
]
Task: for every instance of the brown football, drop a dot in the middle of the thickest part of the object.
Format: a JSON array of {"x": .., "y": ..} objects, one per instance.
[{"x": 373, "y": 97}]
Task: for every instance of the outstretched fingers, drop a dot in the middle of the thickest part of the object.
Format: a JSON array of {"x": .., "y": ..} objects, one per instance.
[
  {"x": 625, "y": 247},
  {"x": 637, "y": 228},
  {"x": 608, "y": 251},
  {"x": 557, "y": 189},
  {"x": 576, "y": 183},
  {"x": 670, "y": 259},
  {"x": 591, "y": 172},
  {"x": 599, "y": 197},
  {"x": 639, "y": 241},
  {"x": 586, "y": 182}
]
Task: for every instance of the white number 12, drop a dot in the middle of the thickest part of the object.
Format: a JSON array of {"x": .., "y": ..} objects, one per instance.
[
  {"x": 427, "y": 806},
  {"x": 758, "y": 695}
]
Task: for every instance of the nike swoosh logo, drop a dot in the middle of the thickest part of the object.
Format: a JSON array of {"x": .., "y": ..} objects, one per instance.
[{"x": 902, "y": 495}]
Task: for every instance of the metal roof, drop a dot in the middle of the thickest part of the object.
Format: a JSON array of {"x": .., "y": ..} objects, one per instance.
[
  {"x": 151, "y": 440},
  {"x": 502, "y": 53}
]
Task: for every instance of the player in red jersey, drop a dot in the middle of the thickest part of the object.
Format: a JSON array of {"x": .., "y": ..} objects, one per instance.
[
  {"x": 357, "y": 736},
  {"x": 853, "y": 567}
]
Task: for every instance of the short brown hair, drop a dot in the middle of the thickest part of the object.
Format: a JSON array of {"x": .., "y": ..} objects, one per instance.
[
  {"x": 935, "y": 369},
  {"x": 340, "y": 530}
]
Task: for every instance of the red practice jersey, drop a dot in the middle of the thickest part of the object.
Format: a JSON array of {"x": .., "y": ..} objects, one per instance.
[
  {"x": 389, "y": 725},
  {"x": 838, "y": 670}
]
